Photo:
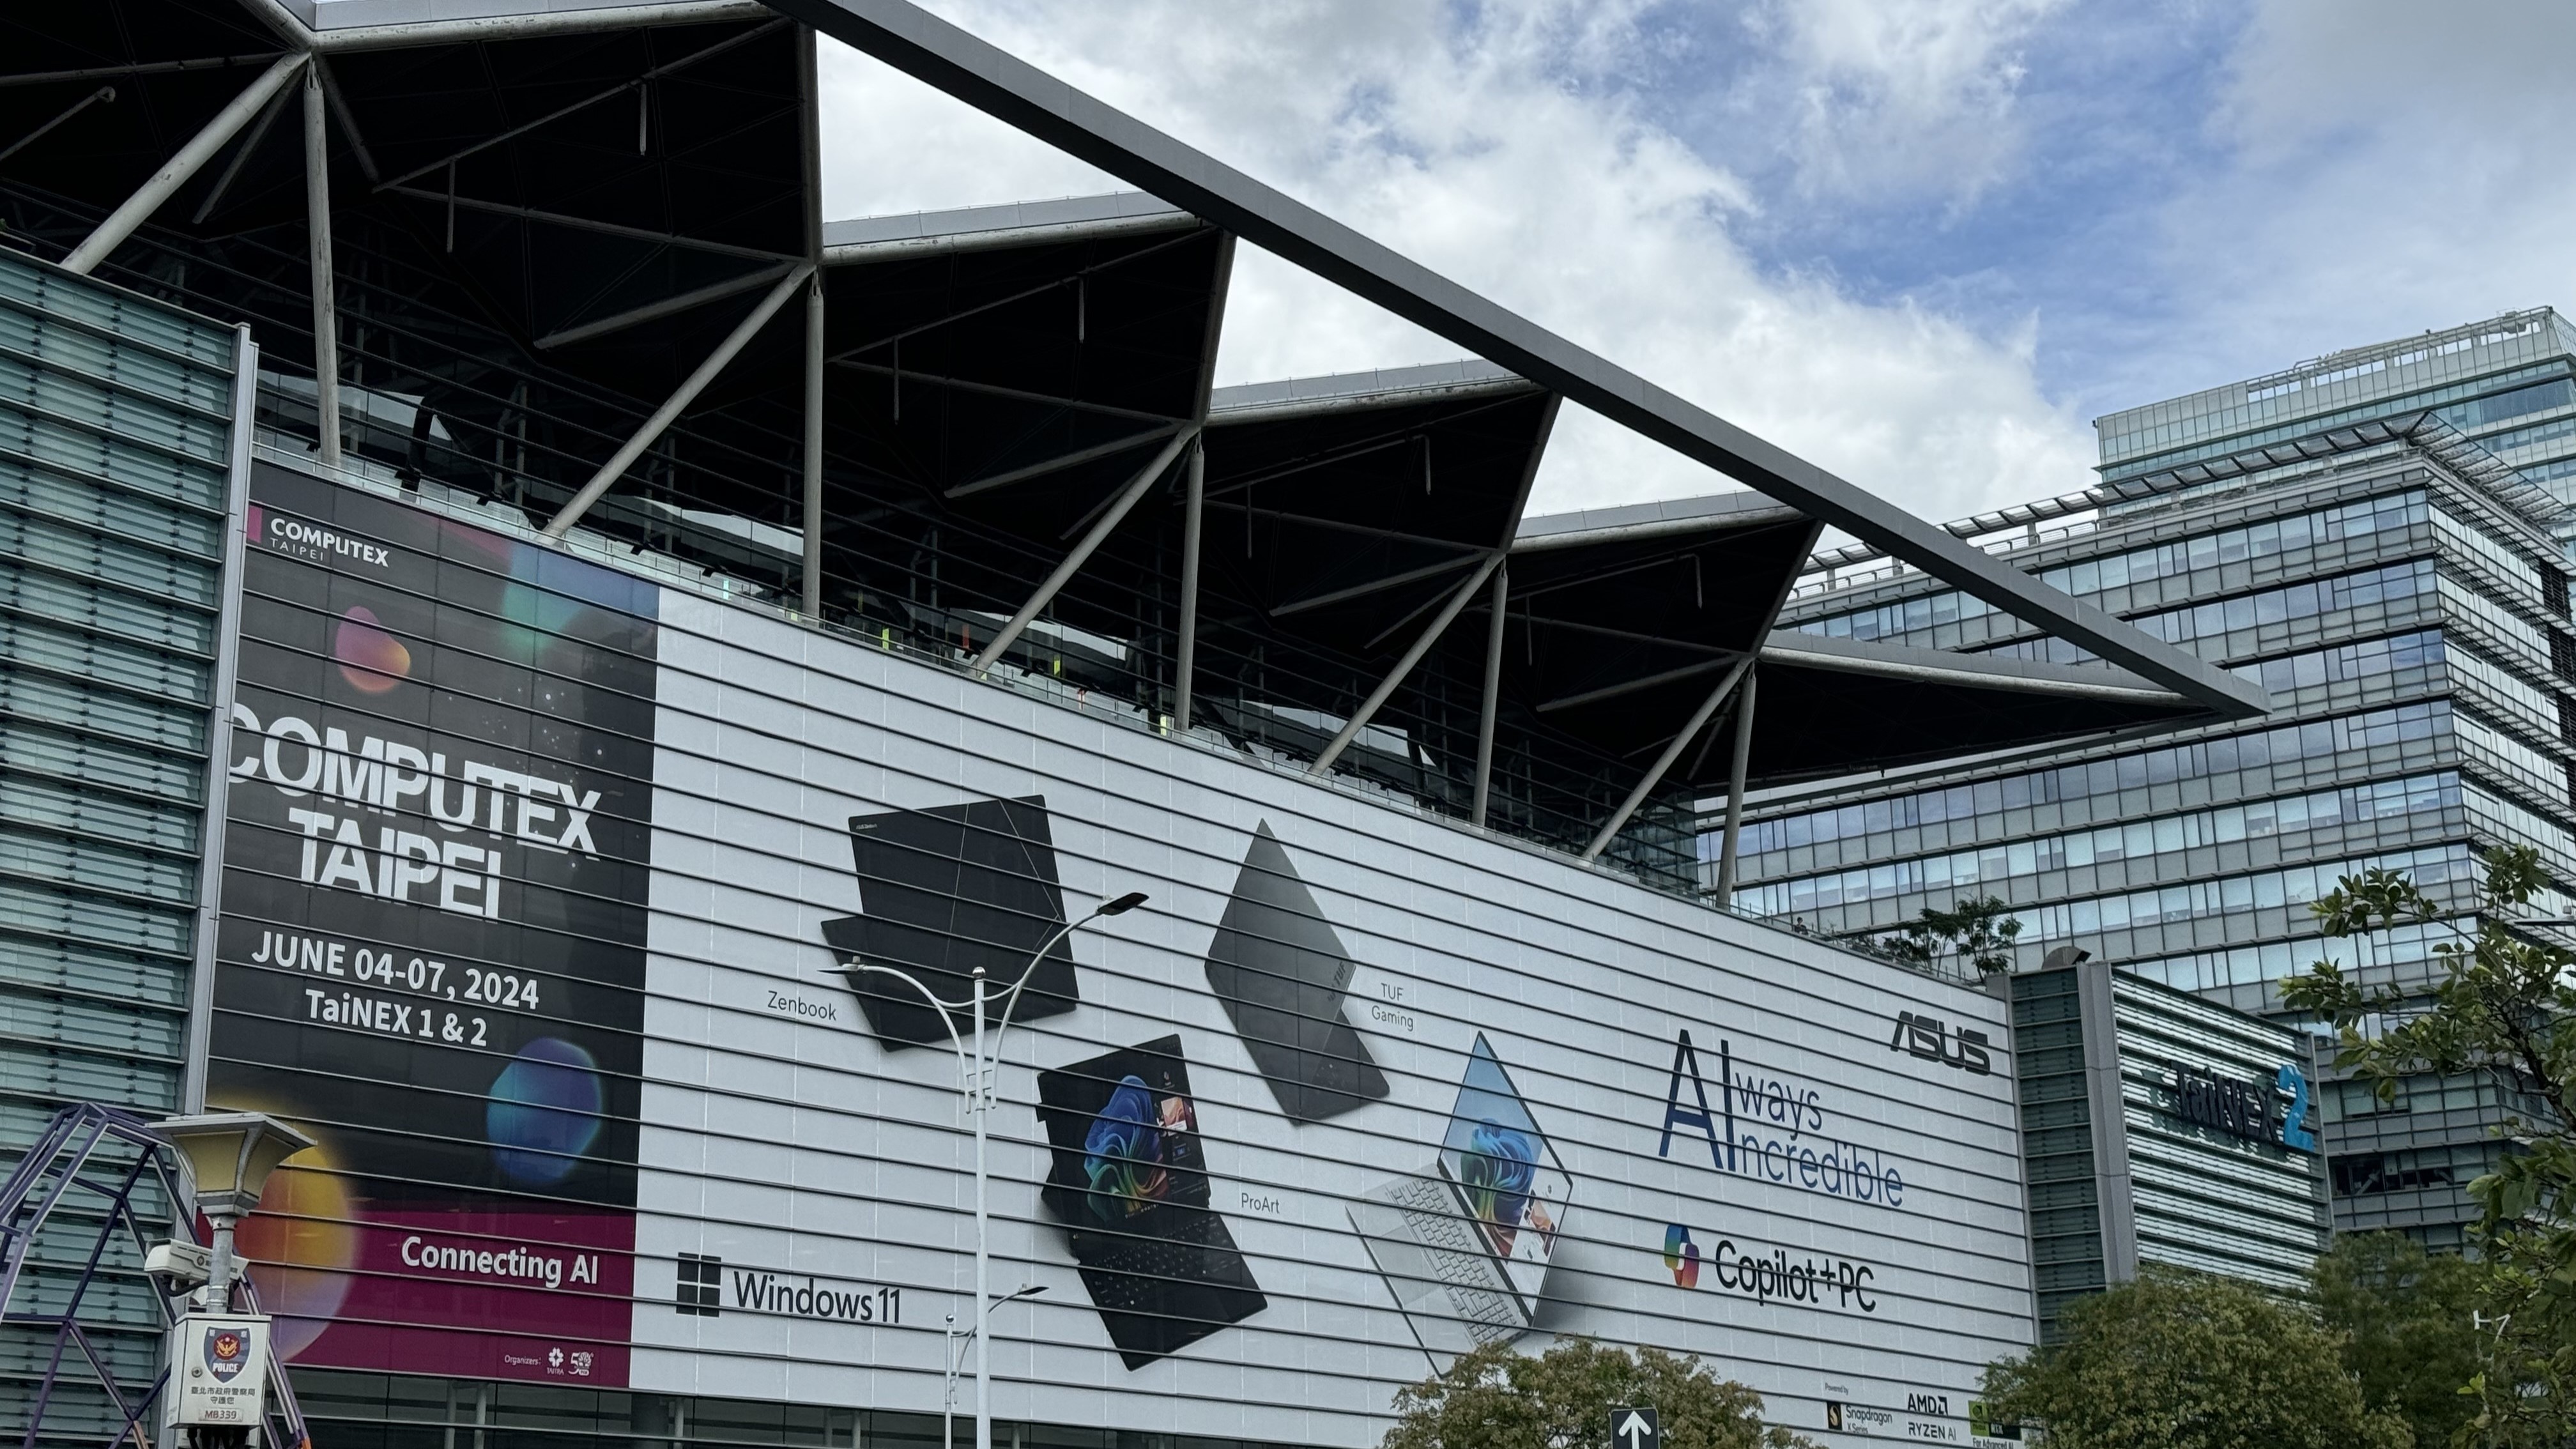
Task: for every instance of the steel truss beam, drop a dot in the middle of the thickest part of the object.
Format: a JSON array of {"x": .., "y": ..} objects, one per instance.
[
  {"x": 1465, "y": 557},
  {"x": 1118, "y": 508},
  {"x": 1664, "y": 762},
  {"x": 667, "y": 307},
  {"x": 1194, "y": 508},
  {"x": 1631, "y": 686},
  {"x": 994, "y": 389},
  {"x": 809, "y": 115},
  {"x": 242, "y": 153},
  {"x": 1724, "y": 895},
  {"x": 103, "y": 93},
  {"x": 119, "y": 72},
  {"x": 671, "y": 408},
  {"x": 979, "y": 73},
  {"x": 317, "y": 232},
  {"x": 621, "y": 88},
  {"x": 1041, "y": 289},
  {"x": 175, "y": 172},
  {"x": 583, "y": 223},
  {"x": 1493, "y": 700},
  {"x": 1075, "y": 458},
  {"x": 1422, "y": 643}
]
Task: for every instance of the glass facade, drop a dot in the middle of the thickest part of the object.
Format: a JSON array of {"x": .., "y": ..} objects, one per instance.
[
  {"x": 2411, "y": 624},
  {"x": 117, "y": 448},
  {"x": 2160, "y": 1127},
  {"x": 2504, "y": 382}
]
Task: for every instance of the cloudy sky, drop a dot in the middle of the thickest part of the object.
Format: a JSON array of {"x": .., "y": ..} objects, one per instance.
[{"x": 1922, "y": 242}]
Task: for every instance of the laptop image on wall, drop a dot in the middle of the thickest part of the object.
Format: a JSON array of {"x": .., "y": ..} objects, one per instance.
[
  {"x": 946, "y": 890},
  {"x": 1465, "y": 1244},
  {"x": 1283, "y": 976},
  {"x": 1127, "y": 1176}
]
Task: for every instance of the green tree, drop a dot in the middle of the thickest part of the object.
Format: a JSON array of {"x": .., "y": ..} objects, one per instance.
[
  {"x": 2406, "y": 1320},
  {"x": 2181, "y": 1360},
  {"x": 1497, "y": 1399},
  {"x": 1979, "y": 932},
  {"x": 2504, "y": 1008}
]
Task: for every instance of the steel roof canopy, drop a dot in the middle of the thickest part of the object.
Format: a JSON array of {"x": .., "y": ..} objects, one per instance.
[{"x": 984, "y": 76}]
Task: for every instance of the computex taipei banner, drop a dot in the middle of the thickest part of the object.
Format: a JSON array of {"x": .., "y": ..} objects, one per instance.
[
  {"x": 1355, "y": 1091},
  {"x": 431, "y": 947}
]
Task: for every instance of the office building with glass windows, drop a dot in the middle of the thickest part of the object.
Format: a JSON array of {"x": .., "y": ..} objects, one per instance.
[
  {"x": 2508, "y": 384},
  {"x": 2160, "y": 1127},
  {"x": 2392, "y": 583}
]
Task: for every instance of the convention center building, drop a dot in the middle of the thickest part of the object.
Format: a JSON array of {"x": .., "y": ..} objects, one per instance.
[{"x": 523, "y": 643}]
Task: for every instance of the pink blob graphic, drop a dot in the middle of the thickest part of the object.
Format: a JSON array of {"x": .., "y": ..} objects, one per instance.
[{"x": 372, "y": 660}]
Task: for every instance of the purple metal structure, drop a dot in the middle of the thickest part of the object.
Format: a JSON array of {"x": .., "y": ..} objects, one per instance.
[{"x": 58, "y": 1169}]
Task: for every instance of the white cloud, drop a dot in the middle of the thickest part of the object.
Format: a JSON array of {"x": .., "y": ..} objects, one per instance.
[
  {"x": 2389, "y": 171},
  {"x": 1502, "y": 151},
  {"x": 1898, "y": 98}
]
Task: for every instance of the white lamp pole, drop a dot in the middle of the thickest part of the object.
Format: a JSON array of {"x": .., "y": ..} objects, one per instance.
[
  {"x": 948, "y": 1404},
  {"x": 973, "y": 1071}
]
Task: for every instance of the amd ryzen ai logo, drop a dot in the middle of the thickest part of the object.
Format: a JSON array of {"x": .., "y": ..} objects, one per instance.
[{"x": 1928, "y": 1037}]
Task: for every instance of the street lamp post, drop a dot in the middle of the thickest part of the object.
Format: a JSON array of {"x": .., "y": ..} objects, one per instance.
[
  {"x": 948, "y": 1400},
  {"x": 973, "y": 1081}
]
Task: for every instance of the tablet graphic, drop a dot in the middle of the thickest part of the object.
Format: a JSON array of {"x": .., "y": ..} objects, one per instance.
[
  {"x": 1128, "y": 1178},
  {"x": 944, "y": 891},
  {"x": 1465, "y": 1244},
  {"x": 1283, "y": 977}
]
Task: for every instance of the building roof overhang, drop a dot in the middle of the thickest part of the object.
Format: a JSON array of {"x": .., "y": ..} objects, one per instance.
[{"x": 611, "y": 190}]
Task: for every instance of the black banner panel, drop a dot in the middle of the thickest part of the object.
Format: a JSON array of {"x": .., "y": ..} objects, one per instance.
[{"x": 436, "y": 872}]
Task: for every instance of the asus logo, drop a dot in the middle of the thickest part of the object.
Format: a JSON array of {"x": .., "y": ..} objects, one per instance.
[{"x": 1928, "y": 1037}]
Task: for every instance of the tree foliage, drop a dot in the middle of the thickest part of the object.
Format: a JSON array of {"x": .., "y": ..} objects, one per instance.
[
  {"x": 1495, "y": 1398},
  {"x": 2405, "y": 1320},
  {"x": 1979, "y": 932},
  {"x": 2503, "y": 1007},
  {"x": 2182, "y": 1360}
]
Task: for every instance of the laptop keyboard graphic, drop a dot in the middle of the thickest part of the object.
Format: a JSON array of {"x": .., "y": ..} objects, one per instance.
[{"x": 1458, "y": 1257}]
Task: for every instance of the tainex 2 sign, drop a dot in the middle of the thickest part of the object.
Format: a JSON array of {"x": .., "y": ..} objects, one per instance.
[{"x": 2249, "y": 1108}]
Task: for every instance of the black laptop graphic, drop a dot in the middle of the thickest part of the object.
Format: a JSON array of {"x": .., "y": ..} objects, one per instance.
[
  {"x": 942, "y": 892},
  {"x": 1128, "y": 1179},
  {"x": 1282, "y": 975}
]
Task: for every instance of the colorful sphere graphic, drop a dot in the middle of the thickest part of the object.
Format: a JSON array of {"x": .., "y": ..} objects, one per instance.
[
  {"x": 302, "y": 1243},
  {"x": 544, "y": 1112},
  {"x": 372, "y": 660}
]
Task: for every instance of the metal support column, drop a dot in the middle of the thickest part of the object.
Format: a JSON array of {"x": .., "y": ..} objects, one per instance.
[
  {"x": 809, "y": 112},
  {"x": 671, "y": 408},
  {"x": 1404, "y": 666},
  {"x": 1724, "y": 895},
  {"x": 813, "y": 593},
  {"x": 1189, "y": 641},
  {"x": 1493, "y": 695},
  {"x": 1107, "y": 523},
  {"x": 1664, "y": 762},
  {"x": 175, "y": 173},
  {"x": 317, "y": 230}
]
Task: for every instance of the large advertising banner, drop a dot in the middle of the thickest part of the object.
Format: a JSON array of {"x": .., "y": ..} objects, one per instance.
[
  {"x": 562, "y": 908},
  {"x": 431, "y": 948},
  {"x": 1355, "y": 1092}
]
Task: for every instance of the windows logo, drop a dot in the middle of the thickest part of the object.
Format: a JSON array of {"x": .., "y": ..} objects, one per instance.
[{"x": 701, "y": 1278}]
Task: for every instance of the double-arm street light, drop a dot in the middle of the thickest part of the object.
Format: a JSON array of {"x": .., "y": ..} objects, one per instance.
[
  {"x": 975, "y": 1082},
  {"x": 956, "y": 1353}
]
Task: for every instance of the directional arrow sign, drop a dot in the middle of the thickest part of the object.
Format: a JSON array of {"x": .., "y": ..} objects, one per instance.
[{"x": 1635, "y": 1428}]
